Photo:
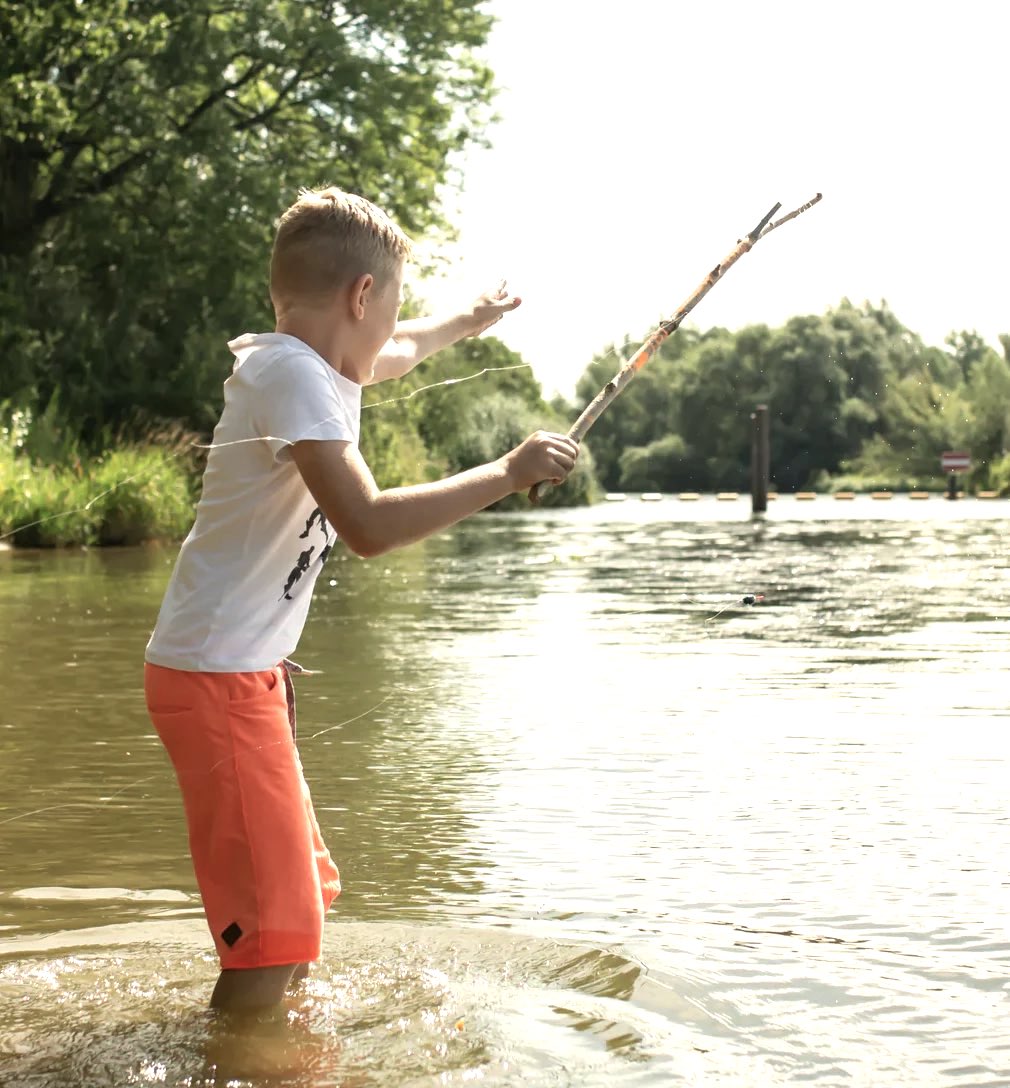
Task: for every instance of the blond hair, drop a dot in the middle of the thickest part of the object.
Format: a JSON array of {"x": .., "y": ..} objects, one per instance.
[{"x": 328, "y": 238}]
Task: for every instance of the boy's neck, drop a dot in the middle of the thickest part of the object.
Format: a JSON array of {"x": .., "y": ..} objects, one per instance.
[{"x": 313, "y": 329}]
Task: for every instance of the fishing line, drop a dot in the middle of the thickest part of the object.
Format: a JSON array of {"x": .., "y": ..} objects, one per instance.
[
  {"x": 241, "y": 441},
  {"x": 736, "y": 601},
  {"x": 448, "y": 381},
  {"x": 80, "y": 804},
  {"x": 311, "y": 736},
  {"x": 745, "y": 600},
  {"x": 101, "y": 802},
  {"x": 614, "y": 352}
]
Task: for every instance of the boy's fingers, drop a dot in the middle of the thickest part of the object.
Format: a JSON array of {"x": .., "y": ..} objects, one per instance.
[
  {"x": 561, "y": 459},
  {"x": 563, "y": 442},
  {"x": 500, "y": 298}
]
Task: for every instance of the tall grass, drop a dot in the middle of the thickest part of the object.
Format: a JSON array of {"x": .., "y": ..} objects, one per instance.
[{"x": 136, "y": 491}]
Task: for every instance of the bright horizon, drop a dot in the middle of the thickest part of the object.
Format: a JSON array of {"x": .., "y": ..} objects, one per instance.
[{"x": 632, "y": 153}]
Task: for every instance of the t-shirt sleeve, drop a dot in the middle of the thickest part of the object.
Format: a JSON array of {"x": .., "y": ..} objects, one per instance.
[{"x": 300, "y": 401}]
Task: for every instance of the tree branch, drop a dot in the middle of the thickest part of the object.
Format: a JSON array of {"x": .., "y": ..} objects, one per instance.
[
  {"x": 54, "y": 204},
  {"x": 282, "y": 94},
  {"x": 49, "y": 207},
  {"x": 222, "y": 92},
  {"x": 791, "y": 215}
]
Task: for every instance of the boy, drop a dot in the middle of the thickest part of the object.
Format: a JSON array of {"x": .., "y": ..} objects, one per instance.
[{"x": 284, "y": 479}]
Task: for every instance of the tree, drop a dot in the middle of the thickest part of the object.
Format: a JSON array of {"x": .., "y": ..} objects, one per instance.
[
  {"x": 146, "y": 147},
  {"x": 644, "y": 410},
  {"x": 967, "y": 349},
  {"x": 822, "y": 376},
  {"x": 982, "y": 422},
  {"x": 915, "y": 403},
  {"x": 663, "y": 465}
]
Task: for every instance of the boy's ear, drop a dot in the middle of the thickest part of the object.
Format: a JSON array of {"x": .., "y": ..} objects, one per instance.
[{"x": 360, "y": 292}]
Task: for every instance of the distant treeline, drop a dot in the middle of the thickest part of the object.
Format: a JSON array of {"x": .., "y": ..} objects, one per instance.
[{"x": 856, "y": 400}]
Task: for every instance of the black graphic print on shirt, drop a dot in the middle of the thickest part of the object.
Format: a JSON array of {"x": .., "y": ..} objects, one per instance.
[
  {"x": 317, "y": 521},
  {"x": 317, "y": 513}
]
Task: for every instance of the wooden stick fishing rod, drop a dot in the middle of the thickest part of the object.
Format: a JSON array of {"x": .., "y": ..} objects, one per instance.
[{"x": 616, "y": 384}]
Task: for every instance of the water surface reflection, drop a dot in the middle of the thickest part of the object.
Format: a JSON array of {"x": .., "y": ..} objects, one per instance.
[{"x": 600, "y": 822}]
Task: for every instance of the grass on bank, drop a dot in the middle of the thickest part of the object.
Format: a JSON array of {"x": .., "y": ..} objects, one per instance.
[{"x": 137, "y": 491}]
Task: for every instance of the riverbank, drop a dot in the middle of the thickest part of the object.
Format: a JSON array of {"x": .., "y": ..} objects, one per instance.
[{"x": 131, "y": 494}]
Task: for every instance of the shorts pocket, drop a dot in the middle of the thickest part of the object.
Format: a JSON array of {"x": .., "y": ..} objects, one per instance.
[
  {"x": 249, "y": 690},
  {"x": 166, "y": 712}
]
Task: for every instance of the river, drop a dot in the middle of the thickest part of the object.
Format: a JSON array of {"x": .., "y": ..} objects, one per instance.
[{"x": 600, "y": 821}]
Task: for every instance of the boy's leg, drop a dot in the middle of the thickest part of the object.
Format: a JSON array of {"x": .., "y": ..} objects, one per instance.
[
  {"x": 265, "y": 875},
  {"x": 248, "y": 988}
]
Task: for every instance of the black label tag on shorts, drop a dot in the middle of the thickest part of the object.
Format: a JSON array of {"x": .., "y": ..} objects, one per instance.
[{"x": 231, "y": 934}]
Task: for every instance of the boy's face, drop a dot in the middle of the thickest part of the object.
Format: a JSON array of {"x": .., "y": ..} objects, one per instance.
[{"x": 376, "y": 327}]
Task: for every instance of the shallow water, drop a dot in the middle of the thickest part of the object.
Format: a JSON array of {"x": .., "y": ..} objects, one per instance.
[{"x": 599, "y": 822}]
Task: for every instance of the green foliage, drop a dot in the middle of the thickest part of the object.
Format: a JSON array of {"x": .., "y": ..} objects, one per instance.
[
  {"x": 30, "y": 494},
  {"x": 141, "y": 493},
  {"x": 131, "y": 494},
  {"x": 428, "y": 433},
  {"x": 51, "y": 495},
  {"x": 983, "y": 408},
  {"x": 42, "y": 507},
  {"x": 661, "y": 465},
  {"x": 851, "y": 392},
  {"x": 998, "y": 478},
  {"x": 147, "y": 147},
  {"x": 879, "y": 468},
  {"x": 42, "y": 436},
  {"x": 646, "y": 410},
  {"x": 393, "y": 448}
]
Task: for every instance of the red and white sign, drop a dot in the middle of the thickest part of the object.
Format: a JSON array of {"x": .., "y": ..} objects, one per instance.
[{"x": 955, "y": 461}]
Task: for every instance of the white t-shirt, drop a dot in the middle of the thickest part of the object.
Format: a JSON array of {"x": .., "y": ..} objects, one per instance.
[{"x": 240, "y": 592}]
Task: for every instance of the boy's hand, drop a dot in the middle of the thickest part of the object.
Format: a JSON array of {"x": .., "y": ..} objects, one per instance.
[
  {"x": 489, "y": 309},
  {"x": 542, "y": 456},
  {"x": 418, "y": 337}
]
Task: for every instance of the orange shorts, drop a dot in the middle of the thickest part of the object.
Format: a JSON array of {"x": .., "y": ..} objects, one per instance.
[{"x": 264, "y": 874}]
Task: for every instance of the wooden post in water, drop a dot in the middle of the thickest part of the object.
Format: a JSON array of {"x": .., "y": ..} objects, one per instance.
[{"x": 759, "y": 460}]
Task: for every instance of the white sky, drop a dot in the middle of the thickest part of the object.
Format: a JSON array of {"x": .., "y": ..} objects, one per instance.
[{"x": 639, "y": 140}]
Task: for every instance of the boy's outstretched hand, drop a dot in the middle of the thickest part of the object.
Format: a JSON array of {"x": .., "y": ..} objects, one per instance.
[
  {"x": 415, "y": 338},
  {"x": 542, "y": 456},
  {"x": 489, "y": 309}
]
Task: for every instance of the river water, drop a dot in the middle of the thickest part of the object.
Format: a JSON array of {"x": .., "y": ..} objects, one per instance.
[{"x": 599, "y": 821}]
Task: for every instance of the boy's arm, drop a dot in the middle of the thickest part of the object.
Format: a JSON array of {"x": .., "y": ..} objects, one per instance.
[
  {"x": 417, "y": 338},
  {"x": 370, "y": 521}
]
